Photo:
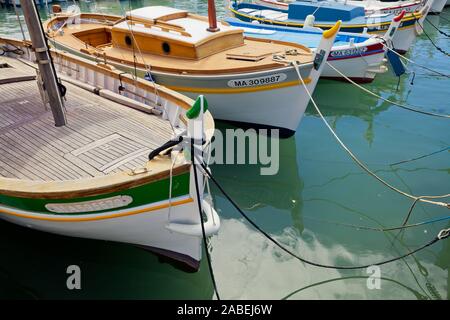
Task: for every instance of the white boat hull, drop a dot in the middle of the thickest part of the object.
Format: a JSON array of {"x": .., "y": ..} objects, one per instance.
[
  {"x": 359, "y": 69},
  {"x": 147, "y": 229},
  {"x": 369, "y": 6},
  {"x": 247, "y": 104},
  {"x": 270, "y": 108},
  {"x": 404, "y": 38}
]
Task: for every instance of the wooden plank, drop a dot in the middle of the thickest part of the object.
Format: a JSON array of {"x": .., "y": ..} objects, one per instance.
[
  {"x": 83, "y": 165},
  {"x": 100, "y": 136},
  {"x": 124, "y": 160},
  {"x": 95, "y": 144},
  {"x": 17, "y": 78}
]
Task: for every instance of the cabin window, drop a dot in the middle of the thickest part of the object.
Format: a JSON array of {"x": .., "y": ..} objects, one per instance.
[
  {"x": 166, "y": 47},
  {"x": 128, "y": 40}
]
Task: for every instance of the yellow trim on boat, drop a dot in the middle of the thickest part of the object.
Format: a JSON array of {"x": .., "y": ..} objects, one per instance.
[
  {"x": 330, "y": 32},
  {"x": 414, "y": 16},
  {"x": 110, "y": 216},
  {"x": 238, "y": 90}
]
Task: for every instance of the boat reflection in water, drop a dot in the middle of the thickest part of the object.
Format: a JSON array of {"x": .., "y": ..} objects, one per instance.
[
  {"x": 357, "y": 104},
  {"x": 252, "y": 191},
  {"x": 299, "y": 215},
  {"x": 34, "y": 265},
  {"x": 443, "y": 261}
]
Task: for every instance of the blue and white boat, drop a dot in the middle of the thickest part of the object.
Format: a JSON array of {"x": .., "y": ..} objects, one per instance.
[
  {"x": 370, "y": 6},
  {"x": 325, "y": 14},
  {"x": 359, "y": 57}
]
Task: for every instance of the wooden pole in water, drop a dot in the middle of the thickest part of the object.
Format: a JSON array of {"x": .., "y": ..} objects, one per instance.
[
  {"x": 43, "y": 59},
  {"x": 212, "y": 16}
]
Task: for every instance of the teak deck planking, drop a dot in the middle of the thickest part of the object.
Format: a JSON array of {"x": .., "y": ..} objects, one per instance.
[{"x": 101, "y": 136}]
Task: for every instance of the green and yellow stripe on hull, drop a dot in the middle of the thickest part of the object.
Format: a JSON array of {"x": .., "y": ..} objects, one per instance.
[
  {"x": 152, "y": 192},
  {"x": 86, "y": 218}
]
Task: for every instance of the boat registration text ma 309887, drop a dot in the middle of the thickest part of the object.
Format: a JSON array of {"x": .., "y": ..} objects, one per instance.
[{"x": 259, "y": 81}]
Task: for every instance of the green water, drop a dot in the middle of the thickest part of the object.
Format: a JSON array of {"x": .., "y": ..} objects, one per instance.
[{"x": 317, "y": 185}]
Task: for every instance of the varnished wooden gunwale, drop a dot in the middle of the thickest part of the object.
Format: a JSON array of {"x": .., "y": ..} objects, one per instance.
[{"x": 214, "y": 64}]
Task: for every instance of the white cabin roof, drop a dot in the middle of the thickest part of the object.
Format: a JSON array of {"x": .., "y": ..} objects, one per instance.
[
  {"x": 153, "y": 12},
  {"x": 196, "y": 28}
]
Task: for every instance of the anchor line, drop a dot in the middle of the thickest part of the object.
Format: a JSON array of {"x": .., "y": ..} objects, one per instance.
[
  {"x": 442, "y": 16},
  {"x": 427, "y": 199},
  {"x": 443, "y": 234},
  {"x": 403, "y": 106},
  {"x": 402, "y": 227},
  {"x": 420, "y": 157},
  {"x": 435, "y": 27},
  {"x": 417, "y": 64},
  {"x": 432, "y": 42},
  {"x": 205, "y": 242}
]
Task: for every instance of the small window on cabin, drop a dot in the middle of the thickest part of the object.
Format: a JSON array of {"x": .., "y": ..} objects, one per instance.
[
  {"x": 128, "y": 40},
  {"x": 166, "y": 47}
]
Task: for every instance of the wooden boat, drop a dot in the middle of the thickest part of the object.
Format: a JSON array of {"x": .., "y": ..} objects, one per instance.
[
  {"x": 377, "y": 6},
  {"x": 353, "y": 19},
  {"x": 370, "y": 6},
  {"x": 239, "y": 76},
  {"x": 359, "y": 56},
  {"x": 91, "y": 178}
]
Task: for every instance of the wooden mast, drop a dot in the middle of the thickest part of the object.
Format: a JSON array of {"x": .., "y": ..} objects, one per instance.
[
  {"x": 212, "y": 17},
  {"x": 46, "y": 68}
]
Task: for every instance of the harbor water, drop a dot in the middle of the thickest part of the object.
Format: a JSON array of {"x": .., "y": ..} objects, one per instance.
[{"x": 315, "y": 205}]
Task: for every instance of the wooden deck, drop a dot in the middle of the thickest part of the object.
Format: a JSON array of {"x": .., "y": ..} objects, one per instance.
[{"x": 101, "y": 136}]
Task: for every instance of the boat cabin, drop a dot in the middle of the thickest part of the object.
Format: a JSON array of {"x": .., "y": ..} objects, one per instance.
[
  {"x": 168, "y": 40},
  {"x": 166, "y": 31},
  {"x": 324, "y": 11}
]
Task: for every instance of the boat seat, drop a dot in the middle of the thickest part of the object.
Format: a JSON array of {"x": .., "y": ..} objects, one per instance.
[
  {"x": 247, "y": 10},
  {"x": 153, "y": 13},
  {"x": 270, "y": 14}
]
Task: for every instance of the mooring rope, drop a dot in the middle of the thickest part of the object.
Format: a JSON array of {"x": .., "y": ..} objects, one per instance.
[
  {"x": 403, "y": 106},
  {"x": 205, "y": 242},
  {"x": 417, "y": 64},
  {"x": 442, "y": 16},
  {"x": 362, "y": 227},
  {"x": 443, "y": 234},
  {"x": 420, "y": 157},
  {"x": 435, "y": 27},
  {"x": 359, "y": 162},
  {"x": 432, "y": 42}
]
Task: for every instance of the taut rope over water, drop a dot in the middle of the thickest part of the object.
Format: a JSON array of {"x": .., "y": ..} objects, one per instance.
[
  {"x": 426, "y": 199},
  {"x": 435, "y": 27},
  {"x": 403, "y": 106},
  {"x": 443, "y": 234},
  {"x": 432, "y": 42},
  {"x": 417, "y": 64}
]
